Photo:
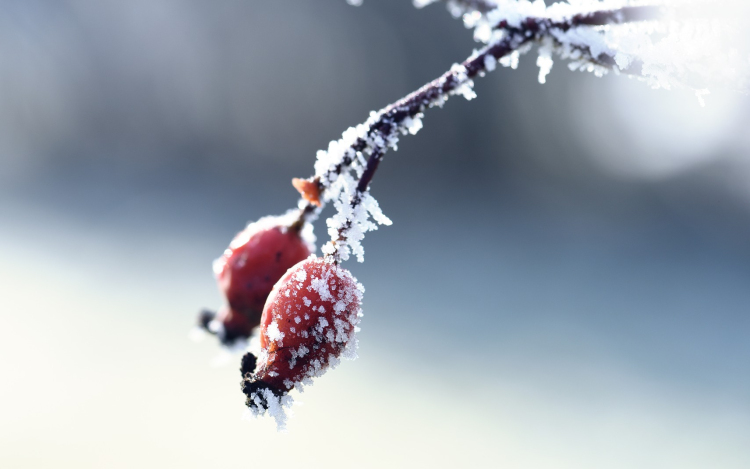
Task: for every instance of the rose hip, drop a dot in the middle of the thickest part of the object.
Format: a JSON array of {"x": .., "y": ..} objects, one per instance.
[
  {"x": 308, "y": 322},
  {"x": 246, "y": 272}
]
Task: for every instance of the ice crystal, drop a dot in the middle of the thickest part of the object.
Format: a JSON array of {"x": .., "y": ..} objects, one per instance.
[{"x": 275, "y": 406}]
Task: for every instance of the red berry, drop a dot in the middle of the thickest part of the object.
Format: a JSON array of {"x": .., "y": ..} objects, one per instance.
[
  {"x": 254, "y": 261},
  {"x": 309, "y": 321}
]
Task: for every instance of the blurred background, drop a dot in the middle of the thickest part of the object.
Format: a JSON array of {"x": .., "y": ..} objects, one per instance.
[{"x": 566, "y": 283}]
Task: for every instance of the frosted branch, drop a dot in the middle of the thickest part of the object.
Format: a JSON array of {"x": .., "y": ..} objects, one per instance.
[
  {"x": 644, "y": 40},
  {"x": 565, "y": 36},
  {"x": 668, "y": 43}
]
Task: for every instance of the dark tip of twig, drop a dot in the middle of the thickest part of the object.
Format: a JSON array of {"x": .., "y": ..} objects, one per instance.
[
  {"x": 247, "y": 365},
  {"x": 204, "y": 318}
]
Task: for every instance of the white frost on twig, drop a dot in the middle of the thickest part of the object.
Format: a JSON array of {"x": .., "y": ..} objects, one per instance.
[
  {"x": 340, "y": 167},
  {"x": 691, "y": 44},
  {"x": 347, "y": 227}
]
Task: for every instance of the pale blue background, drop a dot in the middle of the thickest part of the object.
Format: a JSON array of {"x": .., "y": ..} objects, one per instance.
[{"x": 566, "y": 283}]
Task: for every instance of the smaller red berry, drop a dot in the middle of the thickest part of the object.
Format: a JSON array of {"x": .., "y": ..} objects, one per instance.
[
  {"x": 309, "y": 321},
  {"x": 248, "y": 269}
]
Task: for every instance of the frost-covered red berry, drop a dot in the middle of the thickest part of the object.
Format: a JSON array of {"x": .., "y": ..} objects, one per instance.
[
  {"x": 247, "y": 271},
  {"x": 309, "y": 321}
]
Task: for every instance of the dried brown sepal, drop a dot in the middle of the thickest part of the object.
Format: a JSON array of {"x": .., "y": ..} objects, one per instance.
[{"x": 309, "y": 189}]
